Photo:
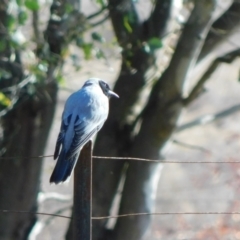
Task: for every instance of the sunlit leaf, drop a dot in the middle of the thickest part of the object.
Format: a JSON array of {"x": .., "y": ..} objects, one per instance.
[
  {"x": 154, "y": 43},
  {"x": 126, "y": 24},
  {"x": 4, "y": 100},
  {"x": 60, "y": 79},
  {"x": 87, "y": 49},
  {"x": 68, "y": 8},
  {"x": 32, "y": 5},
  {"x": 102, "y": 3}
]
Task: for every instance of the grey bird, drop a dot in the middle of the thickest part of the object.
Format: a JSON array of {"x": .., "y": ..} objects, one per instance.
[{"x": 84, "y": 114}]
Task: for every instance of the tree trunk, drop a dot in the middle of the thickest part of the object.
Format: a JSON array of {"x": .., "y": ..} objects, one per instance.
[
  {"x": 157, "y": 122},
  {"x": 25, "y": 132}
]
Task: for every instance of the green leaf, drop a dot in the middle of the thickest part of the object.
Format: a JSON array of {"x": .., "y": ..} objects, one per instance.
[
  {"x": 126, "y": 24},
  {"x": 11, "y": 21},
  {"x": 22, "y": 17},
  {"x": 98, "y": 37},
  {"x": 68, "y": 8},
  {"x": 102, "y": 3},
  {"x": 87, "y": 49},
  {"x": 154, "y": 43},
  {"x": 32, "y": 5},
  {"x": 19, "y": 2},
  {"x": 4, "y": 100},
  {"x": 60, "y": 79}
]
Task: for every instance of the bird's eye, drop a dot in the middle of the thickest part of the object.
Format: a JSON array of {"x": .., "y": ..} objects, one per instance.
[
  {"x": 104, "y": 85},
  {"x": 87, "y": 84}
]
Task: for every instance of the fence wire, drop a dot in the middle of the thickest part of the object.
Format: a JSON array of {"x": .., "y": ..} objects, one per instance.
[
  {"x": 124, "y": 215},
  {"x": 130, "y": 214},
  {"x": 131, "y": 159}
]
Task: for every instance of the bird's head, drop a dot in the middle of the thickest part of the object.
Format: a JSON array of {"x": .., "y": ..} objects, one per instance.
[
  {"x": 103, "y": 85},
  {"x": 106, "y": 89}
]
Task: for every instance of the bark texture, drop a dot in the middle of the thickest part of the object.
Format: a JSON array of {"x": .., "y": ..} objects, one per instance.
[
  {"x": 25, "y": 132},
  {"x": 25, "y": 126},
  {"x": 157, "y": 120}
]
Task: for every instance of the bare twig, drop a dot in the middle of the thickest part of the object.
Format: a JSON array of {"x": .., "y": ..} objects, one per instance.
[
  {"x": 227, "y": 58},
  {"x": 228, "y": 24},
  {"x": 20, "y": 85},
  {"x": 35, "y": 24},
  {"x": 209, "y": 118},
  {"x": 96, "y": 13},
  {"x": 92, "y": 25},
  {"x": 190, "y": 146},
  {"x": 199, "y": 86}
]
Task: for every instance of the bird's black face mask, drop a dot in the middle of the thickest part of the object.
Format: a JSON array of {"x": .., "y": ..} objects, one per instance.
[{"x": 106, "y": 90}]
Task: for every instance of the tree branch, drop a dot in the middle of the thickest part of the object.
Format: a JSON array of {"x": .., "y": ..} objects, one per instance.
[
  {"x": 100, "y": 21},
  {"x": 197, "y": 89},
  {"x": 35, "y": 24},
  {"x": 97, "y": 13},
  {"x": 209, "y": 118},
  {"x": 62, "y": 28},
  {"x": 125, "y": 21},
  {"x": 159, "y": 120},
  {"x": 222, "y": 28},
  {"x": 156, "y": 25},
  {"x": 228, "y": 58}
]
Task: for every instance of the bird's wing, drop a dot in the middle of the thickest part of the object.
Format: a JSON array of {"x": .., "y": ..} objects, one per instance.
[
  {"x": 61, "y": 136},
  {"x": 81, "y": 136}
]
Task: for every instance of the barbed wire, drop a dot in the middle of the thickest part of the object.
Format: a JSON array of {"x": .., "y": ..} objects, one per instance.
[
  {"x": 125, "y": 215},
  {"x": 130, "y": 159}
]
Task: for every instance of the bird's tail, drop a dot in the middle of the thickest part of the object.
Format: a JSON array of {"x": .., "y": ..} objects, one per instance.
[{"x": 63, "y": 168}]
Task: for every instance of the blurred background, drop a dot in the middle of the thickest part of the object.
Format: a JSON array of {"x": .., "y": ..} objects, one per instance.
[{"x": 175, "y": 65}]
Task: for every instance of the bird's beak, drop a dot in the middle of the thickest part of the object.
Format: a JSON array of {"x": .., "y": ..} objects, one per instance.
[{"x": 112, "y": 94}]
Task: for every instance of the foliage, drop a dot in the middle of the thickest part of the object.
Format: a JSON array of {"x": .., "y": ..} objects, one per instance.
[
  {"x": 40, "y": 57},
  {"x": 139, "y": 123}
]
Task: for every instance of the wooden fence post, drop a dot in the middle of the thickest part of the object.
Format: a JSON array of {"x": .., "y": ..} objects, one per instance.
[{"x": 82, "y": 202}]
